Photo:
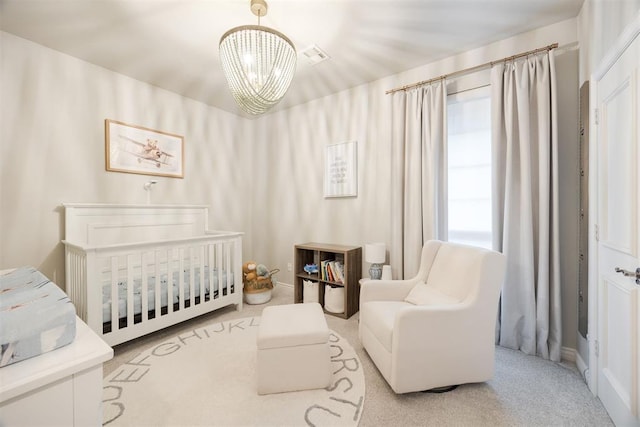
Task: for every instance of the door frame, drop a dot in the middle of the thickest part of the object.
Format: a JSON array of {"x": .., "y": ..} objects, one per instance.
[{"x": 626, "y": 38}]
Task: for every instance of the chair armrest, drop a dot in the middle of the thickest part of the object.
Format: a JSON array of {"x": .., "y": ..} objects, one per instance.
[
  {"x": 386, "y": 290},
  {"x": 455, "y": 326}
]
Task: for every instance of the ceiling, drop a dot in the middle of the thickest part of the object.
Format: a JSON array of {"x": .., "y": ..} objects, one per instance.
[{"x": 173, "y": 44}]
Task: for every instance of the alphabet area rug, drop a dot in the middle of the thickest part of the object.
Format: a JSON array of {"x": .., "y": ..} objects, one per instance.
[{"x": 207, "y": 377}]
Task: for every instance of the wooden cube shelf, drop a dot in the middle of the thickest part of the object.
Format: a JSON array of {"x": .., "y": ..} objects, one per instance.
[{"x": 349, "y": 257}]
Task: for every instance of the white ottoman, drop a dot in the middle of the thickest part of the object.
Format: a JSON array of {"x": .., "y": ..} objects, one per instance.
[{"x": 293, "y": 349}]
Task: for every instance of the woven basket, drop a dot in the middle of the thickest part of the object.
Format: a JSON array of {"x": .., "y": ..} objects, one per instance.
[{"x": 259, "y": 284}]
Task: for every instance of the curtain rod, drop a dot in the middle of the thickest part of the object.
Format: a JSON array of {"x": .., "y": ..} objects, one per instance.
[{"x": 477, "y": 67}]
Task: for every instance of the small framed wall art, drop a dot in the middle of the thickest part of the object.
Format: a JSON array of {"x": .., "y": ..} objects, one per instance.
[
  {"x": 341, "y": 170},
  {"x": 136, "y": 149}
]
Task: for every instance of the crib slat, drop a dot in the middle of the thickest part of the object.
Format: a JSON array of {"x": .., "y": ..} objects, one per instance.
[
  {"x": 130, "y": 288},
  {"x": 219, "y": 269},
  {"x": 216, "y": 272},
  {"x": 218, "y": 275},
  {"x": 115, "y": 303},
  {"x": 237, "y": 271},
  {"x": 170, "y": 273},
  {"x": 221, "y": 272},
  {"x": 192, "y": 269},
  {"x": 157, "y": 288},
  {"x": 144, "y": 287},
  {"x": 212, "y": 285},
  {"x": 227, "y": 266},
  {"x": 201, "y": 267},
  {"x": 181, "y": 278},
  {"x": 223, "y": 278}
]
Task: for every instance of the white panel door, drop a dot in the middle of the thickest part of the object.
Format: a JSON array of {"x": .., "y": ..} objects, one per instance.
[{"x": 618, "y": 198}]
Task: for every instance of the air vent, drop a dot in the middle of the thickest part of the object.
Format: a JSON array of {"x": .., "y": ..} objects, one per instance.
[{"x": 314, "y": 55}]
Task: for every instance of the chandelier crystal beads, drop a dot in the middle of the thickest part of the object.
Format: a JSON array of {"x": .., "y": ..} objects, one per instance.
[{"x": 258, "y": 63}]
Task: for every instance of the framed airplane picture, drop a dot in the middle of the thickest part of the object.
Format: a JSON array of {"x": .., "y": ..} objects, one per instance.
[{"x": 136, "y": 149}]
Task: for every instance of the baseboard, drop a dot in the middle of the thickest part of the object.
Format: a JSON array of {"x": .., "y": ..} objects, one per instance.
[
  {"x": 582, "y": 367},
  {"x": 568, "y": 354},
  {"x": 573, "y": 356},
  {"x": 285, "y": 284}
]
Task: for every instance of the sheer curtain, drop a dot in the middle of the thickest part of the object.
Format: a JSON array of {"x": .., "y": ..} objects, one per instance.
[
  {"x": 525, "y": 194},
  {"x": 418, "y": 174}
]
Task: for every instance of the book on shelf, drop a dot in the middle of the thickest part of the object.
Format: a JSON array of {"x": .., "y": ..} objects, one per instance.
[
  {"x": 339, "y": 270},
  {"x": 324, "y": 273},
  {"x": 332, "y": 271},
  {"x": 336, "y": 269}
]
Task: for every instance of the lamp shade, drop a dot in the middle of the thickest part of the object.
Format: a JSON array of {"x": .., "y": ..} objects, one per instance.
[
  {"x": 375, "y": 253},
  {"x": 259, "y": 64}
]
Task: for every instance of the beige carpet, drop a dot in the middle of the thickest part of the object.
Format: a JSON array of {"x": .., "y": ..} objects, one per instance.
[
  {"x": 525, "y": 391},
  {"x": 206, "y": 376}
]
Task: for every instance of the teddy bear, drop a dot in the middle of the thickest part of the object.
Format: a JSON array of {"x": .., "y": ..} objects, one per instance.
[{"x": 249, "y": 271}]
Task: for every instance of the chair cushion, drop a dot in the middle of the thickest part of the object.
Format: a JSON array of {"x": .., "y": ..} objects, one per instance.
[
  {"x": 421, "y": 294},
  {"x": 454, "y": 269},
  {"x": 379, "y": 317}
]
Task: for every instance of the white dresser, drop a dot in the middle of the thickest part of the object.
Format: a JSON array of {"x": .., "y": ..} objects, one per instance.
[{"x": 60, "y": 388}]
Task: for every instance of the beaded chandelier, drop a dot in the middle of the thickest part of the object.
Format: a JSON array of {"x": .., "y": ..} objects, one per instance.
[{"x": 258, "y": 62}]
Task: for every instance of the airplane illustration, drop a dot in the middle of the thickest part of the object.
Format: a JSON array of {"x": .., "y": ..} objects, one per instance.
[{"x": 149, "y": 151}]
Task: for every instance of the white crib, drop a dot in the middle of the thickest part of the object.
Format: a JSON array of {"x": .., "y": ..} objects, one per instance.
[{"x": 112, "y": 251}]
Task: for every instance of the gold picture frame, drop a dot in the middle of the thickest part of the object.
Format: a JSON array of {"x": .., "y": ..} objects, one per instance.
[{"x": 136, "y": 149}]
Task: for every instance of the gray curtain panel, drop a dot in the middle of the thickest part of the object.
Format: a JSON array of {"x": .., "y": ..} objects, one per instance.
[
  {"x": 525, "y": 197},
  {"x": 418, "y": 173},
  {"x": 525, "y": 193}
]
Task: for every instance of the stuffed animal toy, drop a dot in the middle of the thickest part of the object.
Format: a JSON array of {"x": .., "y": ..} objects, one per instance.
[
  {"x": 249, "y": 271},
  {"x": 262, "y": 270}
]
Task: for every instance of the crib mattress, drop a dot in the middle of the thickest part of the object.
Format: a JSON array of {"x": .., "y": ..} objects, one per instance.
[
  {"x": 36, "y": 316},
  {"x": 164, "y": 294}
]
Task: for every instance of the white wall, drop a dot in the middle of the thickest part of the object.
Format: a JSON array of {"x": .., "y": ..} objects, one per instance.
[
  {"x": 600, "y": 22},
  {"x": 52, "y": 150},
  {"x": 292, "y": 147}
]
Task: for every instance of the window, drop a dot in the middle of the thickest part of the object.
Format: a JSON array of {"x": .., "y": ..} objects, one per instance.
[{"x": 469, "y": 167}]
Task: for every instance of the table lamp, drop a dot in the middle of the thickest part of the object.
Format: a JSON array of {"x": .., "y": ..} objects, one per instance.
[{"x": 375, "y": 253}]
